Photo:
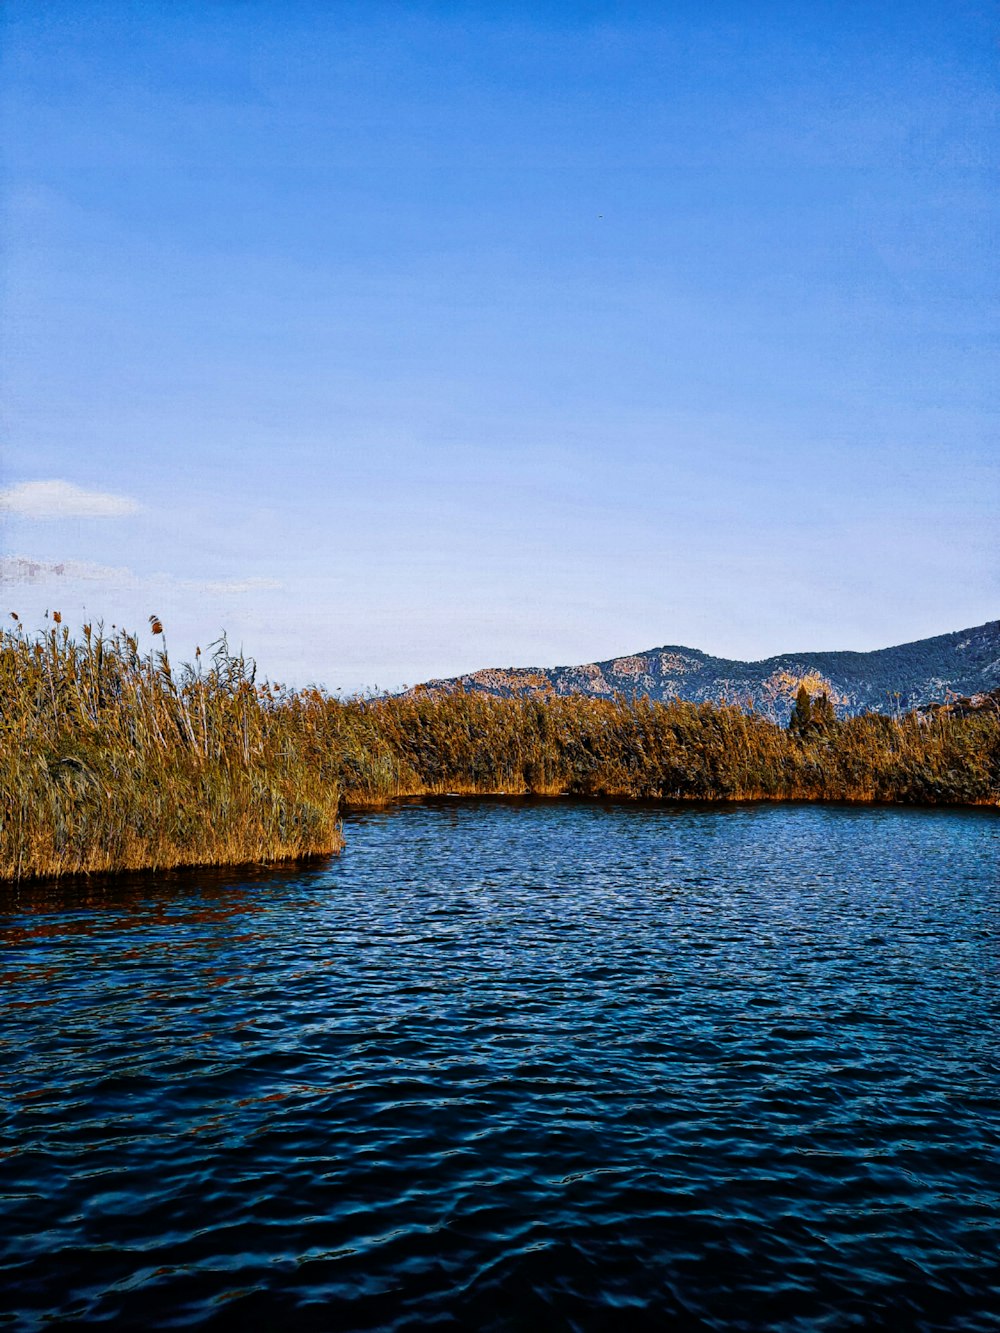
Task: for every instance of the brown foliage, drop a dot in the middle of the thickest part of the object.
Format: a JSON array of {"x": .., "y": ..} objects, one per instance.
[
  {"x": 110, "y": 759},
  {"x": 472, "y": 742}
]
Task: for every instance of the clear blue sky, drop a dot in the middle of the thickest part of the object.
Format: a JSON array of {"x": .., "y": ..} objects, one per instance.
[{"x": 403, "y": 339}]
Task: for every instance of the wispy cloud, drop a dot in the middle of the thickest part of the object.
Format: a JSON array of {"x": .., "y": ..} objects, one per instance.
[
  {"x": 229, "y": 586},
  {"x": 62, "y": 499},
  {"x": 20, "y": 569}
]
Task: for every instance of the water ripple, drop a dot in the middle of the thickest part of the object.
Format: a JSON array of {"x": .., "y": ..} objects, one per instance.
[{"x": 511, "y": 1065}]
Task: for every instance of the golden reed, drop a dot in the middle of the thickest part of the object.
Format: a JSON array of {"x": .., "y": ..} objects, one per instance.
[{"x": 113, "y": 760}]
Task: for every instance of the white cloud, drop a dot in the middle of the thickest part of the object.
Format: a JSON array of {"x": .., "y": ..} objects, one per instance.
[
  {"x": 230, "y": 586},
  {"x": 62, "y": 499},
  {"x": 21, "y": 569}
]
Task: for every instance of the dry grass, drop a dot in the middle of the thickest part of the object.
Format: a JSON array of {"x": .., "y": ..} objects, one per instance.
[
  {"x": 112, "y": 760},
  {"x": 429, "y": 744}
]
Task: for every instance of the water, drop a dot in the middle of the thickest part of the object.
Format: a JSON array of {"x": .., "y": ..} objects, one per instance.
[{"x": 517, "y": 1066}]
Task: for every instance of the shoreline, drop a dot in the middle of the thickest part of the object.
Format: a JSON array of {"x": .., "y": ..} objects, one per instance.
[
  {"x": 113, "y": 762},
  {"x": 289, "y": 864},
  {"x": 528, "y": 796}
]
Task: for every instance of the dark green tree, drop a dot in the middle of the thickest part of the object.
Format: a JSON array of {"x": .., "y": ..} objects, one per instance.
[
  {"x": 801, "y": 717},
  {"x": 823, "y": 717}
]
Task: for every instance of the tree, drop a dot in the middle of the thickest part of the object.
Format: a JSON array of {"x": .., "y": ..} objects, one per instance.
[
  {"x": 823, "y": 716},
  {"x": 801, "y": 717}
]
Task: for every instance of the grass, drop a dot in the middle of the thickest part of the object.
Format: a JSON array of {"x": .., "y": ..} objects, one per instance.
[
  {"x": 667, "y": 751},
  {"x": 113, "y": 760}
]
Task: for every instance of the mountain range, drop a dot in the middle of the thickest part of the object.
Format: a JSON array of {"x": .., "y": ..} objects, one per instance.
[{"x": 965, "y": 663}]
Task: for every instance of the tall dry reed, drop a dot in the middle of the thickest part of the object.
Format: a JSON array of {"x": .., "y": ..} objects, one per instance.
[
  {"x": 663, "y": 751},
  {"x": 111, "y": 759}
]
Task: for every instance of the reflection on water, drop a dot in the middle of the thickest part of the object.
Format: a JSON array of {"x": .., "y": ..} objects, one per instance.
[{"x": 505, "y": 1065}]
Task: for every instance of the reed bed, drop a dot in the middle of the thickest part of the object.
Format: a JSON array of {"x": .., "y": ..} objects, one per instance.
[
  {"x": 638, "y": 749},
  {"x": 111, "y": 759}
]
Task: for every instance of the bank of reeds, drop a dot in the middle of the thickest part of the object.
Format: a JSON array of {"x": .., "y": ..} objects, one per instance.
[
  {"x": 637, "y": 749},
  {"x": 113, "y": 760}
]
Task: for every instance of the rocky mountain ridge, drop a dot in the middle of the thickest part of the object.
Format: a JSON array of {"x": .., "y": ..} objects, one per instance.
[{"x": 965, "y": 663}]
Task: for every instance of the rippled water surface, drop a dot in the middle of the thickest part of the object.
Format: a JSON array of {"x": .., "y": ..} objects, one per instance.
[{"x": 517, "y": 1066}]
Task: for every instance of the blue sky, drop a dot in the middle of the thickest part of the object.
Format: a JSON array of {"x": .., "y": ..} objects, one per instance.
[{"x": 403, "y": 339}]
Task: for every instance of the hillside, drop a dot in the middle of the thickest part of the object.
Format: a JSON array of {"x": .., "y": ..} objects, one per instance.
[{"x": 964, "y": 663}]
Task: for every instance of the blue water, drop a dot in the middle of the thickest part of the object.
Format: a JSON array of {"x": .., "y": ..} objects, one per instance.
[{"x": 516, "y": 1066}]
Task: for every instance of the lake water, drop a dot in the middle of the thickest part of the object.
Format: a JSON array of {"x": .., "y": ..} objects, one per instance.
[{"x": 517, "y": 1066}]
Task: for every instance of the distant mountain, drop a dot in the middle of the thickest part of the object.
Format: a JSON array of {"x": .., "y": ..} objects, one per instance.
[{"x": 966, "y": 663}]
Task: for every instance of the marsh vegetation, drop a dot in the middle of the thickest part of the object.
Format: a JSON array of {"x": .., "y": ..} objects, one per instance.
[{"x": 113, "y": 759}]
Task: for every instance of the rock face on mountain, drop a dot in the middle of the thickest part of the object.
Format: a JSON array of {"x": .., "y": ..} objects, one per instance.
[{"x": 966, "y": 663}]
